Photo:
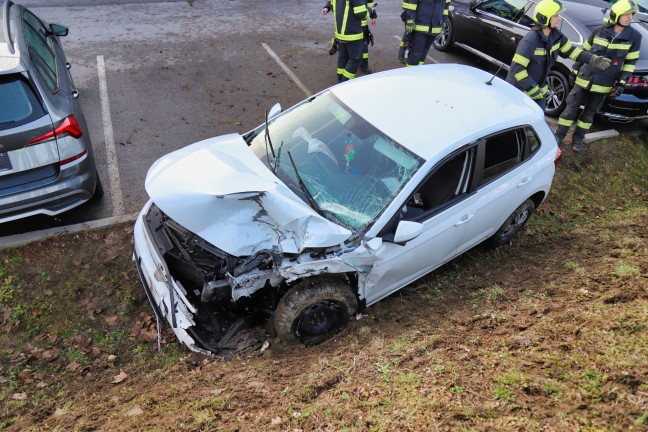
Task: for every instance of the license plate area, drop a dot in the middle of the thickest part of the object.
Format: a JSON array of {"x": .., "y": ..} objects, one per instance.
[{"x": 5, "y": 163}]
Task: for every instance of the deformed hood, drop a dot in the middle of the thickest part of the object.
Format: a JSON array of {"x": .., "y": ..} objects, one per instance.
[{"x": 220, "y": 190}]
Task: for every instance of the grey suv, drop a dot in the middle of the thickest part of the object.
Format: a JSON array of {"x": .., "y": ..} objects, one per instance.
[{"x": 46, "y": 160}]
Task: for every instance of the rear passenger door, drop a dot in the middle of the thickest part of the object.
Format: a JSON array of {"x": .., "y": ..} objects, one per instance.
[
  {"x": 502, "y": 182},
  {"x": 503, "y": 20}
]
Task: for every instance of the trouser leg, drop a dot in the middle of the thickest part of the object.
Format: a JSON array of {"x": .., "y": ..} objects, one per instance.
[
  {"x": 421, "y": 43},
  {"x": 353, "y": 51},
  {"x": 575, "y": 98},
  {"x": 343, "y": 58},
  {"x": 364, "y": 65},
  {"x": 591, "y": 106}
]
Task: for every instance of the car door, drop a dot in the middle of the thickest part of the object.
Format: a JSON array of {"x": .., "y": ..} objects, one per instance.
[
  {"x": 503, "y": 179},
  {"x": 503, "y": 29},
  {"x": 439, "y": 204}
]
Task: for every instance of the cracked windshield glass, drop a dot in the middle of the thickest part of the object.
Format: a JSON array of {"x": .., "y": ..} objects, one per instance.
[{"x": 350, "y": 169}]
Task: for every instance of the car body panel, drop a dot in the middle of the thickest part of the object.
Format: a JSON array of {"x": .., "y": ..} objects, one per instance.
[{"x": 258, "y": 231}]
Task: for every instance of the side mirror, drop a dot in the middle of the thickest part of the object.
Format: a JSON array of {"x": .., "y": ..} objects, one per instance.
[
  {"x": 407, "y": 230},
  {"x": 58, "y": 30},
  {"x": 473, "y": 4},
  {"x": 274, "y": 111}
]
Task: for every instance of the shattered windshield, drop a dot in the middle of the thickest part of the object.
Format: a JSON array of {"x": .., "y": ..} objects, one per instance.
[{"x": 350, "y": 168}]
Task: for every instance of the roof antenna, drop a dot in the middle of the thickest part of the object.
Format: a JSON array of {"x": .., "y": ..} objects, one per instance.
[{"x": 490, "y": 81}]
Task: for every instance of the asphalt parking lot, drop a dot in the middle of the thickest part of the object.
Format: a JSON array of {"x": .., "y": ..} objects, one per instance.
[{"x": 155, "y": 76}]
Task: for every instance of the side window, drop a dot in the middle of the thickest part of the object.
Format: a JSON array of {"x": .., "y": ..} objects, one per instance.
[
  {"x": 501, "y": 153},
  {"x": 571, "y": 33},
  {"x": 447, "y": 183},
  {"x": 510, "y": 10},
  {"x": 40, "y": 50},
  {"x": 532, "y": 140}
]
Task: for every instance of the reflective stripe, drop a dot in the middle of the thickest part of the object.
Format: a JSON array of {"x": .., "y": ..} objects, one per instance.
[
  {"x": 565, "y": 122},
  {"x": 348, "y": 74},
  {"x": 340, "y": 71},
  {"x": 587, "y": 45},
  {"x": 628, "y": 68},
  {"x": 582, "y": 125},
  {"x": 521, "y": 75},
  {"x": 517, "y": 58},
  {"x": 581, "y": 82},
  {"x": 555, "y": 47},
  {"x": 409, "y": 6},
  {"x": 365, "y": 55},
  {"x": 566, "y": 47},
  {"x": 575, "y": 53},
  {"x": 540, "y": 52},
  {"x": 359, "y": 9},
  {"x": 349, "y": 38},
  {"x": 601, "y": 41},
  {"x": 600, "y": 89},
  {"x": 620, "y": 46},
  {"x": 634, "y": 55},
  {"x": 436, "y": 30},
  {"x": 533, "y": 91}
]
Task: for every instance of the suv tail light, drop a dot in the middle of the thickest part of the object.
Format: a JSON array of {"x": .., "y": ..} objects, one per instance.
[
  {"x": 559, "y": 155},
  {"x": 69, "y": 126},
  {"x": 637, "y": 81}
]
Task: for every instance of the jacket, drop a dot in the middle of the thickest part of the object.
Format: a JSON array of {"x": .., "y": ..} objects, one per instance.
[
  {"x": 534, "y": 57},
  {"x": 622, "y": 49},
  {"x": 349, "y": 15},
  {"x": 428, "y": 15}
]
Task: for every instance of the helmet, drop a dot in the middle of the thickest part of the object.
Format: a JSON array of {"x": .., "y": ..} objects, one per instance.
[
  {"x": 545, "y": 9},
  {"x": 622, "y": 7}
]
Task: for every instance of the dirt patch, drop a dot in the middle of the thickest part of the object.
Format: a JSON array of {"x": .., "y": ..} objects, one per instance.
[{"x": 548, "y": 333}]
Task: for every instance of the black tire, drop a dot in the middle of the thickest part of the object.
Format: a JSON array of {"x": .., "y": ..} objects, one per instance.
[
  {"x": 513, "y": 224},
  {"x": 99, "y": 190},
  {"x": 314, "y": 310},
  {"x": 558, "y": 90},
  {"x": 443, "y": 42}
]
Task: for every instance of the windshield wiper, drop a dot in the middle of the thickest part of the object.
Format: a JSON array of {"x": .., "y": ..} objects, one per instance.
[
  {"x": 304, "y": 189},
  {"x": 268, "y": 142}
]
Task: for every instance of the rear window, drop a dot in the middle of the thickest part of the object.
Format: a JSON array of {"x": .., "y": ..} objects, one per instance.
[{"x": 18, "y": 103}]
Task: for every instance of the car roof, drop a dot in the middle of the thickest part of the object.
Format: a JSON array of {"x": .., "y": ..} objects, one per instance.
[
  {"x": 9, "y": 55},
  {"x": 429, "y": 108}
]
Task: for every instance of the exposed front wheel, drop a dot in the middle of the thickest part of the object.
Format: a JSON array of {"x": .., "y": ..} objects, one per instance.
[
  {"x": 443, "y": 42},
  {"x": 314, "y": 310},
  {"x": 558, "y": 86},
  {"x": 513, "y": 223}
]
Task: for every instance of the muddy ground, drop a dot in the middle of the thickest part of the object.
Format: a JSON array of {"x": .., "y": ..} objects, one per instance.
[{"x": 547, "y": 333}]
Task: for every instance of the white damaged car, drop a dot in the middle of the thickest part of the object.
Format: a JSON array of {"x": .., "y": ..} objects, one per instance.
[{"x": 338, "y": 202}]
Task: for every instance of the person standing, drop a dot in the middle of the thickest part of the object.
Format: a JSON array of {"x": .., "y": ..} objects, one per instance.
[
  {"x": 349, "y": 34},
  {"x": 538, "y": 49},
  {"x": 368, "y": 37},
  {"x": 423, "y": 22},
  {"x": 617, "y": 41}
]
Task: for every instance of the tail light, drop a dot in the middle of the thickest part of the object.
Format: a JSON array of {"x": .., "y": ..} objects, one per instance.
[
  {"x": 637, "y": 81},
  {"x": 559, "y": 155},
  {"x": 69, "y": 126}
]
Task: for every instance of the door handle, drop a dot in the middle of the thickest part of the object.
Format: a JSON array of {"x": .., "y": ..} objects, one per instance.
[
  {"x": 513, "y": 39},
  {"x": 524, "y": 181},
  {"x": 464, "y": 219}
]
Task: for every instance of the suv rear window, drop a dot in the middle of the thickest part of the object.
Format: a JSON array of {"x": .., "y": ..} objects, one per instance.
[{"x": 18, "y": 103}]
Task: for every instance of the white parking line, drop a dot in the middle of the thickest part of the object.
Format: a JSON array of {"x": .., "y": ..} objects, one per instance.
[
  {"x": 428, "y": 57},
  {"x": 288, "y": 71},
  {"x": 109, "y": 138}
]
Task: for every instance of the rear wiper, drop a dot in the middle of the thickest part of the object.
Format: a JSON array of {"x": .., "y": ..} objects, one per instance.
[
  {"x": 268, "y": 143},
  {"x": 304, "y": 189}
]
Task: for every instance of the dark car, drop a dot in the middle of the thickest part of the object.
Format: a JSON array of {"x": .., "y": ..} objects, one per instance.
[
  {"x": 46, "y": 159},
  {"x": 491, "y": 29}
]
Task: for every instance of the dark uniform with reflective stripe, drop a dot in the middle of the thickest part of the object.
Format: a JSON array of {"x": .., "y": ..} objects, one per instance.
[
  {"x": 428, "y": 16},
  {"x": 534, "y": 57},
  {"x": 349, "y": 32},
  {"x": 593, "y": 85},
  {"x": 364, "y": 66}
]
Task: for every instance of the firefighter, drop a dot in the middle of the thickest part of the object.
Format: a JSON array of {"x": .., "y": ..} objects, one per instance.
[
  {"x": 617, "y": 41},
  {"x": 423, "y": 22},
  {"x": 349, "y": 34},
  {"x": 538, "y": 49},
  {"x": 368, "y": 37}
]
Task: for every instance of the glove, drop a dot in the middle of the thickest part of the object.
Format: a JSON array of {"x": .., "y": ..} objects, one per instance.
[
  {"x": 617, "y": 90},
  {"x": 368, "y": 36},
  {"x": 334, "y": 46},
  {"x": 600, "y": 62},
  {"x": 409, "y": 26}
]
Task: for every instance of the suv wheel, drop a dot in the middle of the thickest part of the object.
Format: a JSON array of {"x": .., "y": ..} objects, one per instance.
[
  {"x": 314, "y": 310},
  {"x": 443, "y": 42},
  {"x": 513, "y": 224},
  {"x": 558, "y": 91}
]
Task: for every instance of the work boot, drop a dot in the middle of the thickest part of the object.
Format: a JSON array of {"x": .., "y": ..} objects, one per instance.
[
  {"x": 560, "y": 139},
  {"x": 577, "y": 146}
]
